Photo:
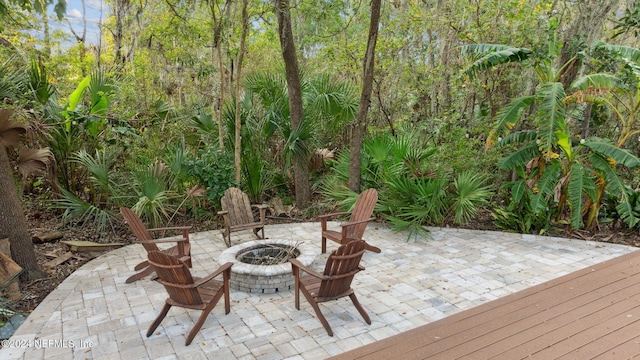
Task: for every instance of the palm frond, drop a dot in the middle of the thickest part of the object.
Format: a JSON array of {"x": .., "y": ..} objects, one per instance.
[
  {"x": 10, "y": 131},
  {"x": 575, "y": 189},
  {"x": 622, "y": 51},
  {"x": 13, "y": 80},
  {"x": 493, "y": 55},
  {"x": 296, "y": 145},
  {"x": 519, "y": 157},
  {"x": 98, "y": 167},
  {"x": 76, "y": 209},
  {"x": 609, "y": 150},
  {"x": 153, "y": 195},
  {"x": 43, "y": 90},
  {"x": 545, "y": 186},
  {"x": 597, "y": 81},
  {"x": 31, "y": 161},
  {"x": 508, "y": 117},
  {"x": 100, "y": 89},
  {"x": 617, "y": 188},
  {"x": 469, "y": 194},
  {"x": 551, "y": 115},
  {"x": 334, "y": 102}
]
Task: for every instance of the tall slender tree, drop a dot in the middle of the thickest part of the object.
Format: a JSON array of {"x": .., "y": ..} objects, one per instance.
[
  {"x": 360, "y": 124},
  {"x": 301, "y": 161},
  {"x": 237, "y": 150}
]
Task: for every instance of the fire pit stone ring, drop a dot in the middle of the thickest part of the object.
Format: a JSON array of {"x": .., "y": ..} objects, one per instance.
[{"x": 265, "y": 278}]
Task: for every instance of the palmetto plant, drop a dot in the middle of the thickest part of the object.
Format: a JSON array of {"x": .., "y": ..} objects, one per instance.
[
  {"x": 329, "y": 105},
  {"x": 413, "y": 193},
  {"x": 95, "y": 207},
  {"x": 153, "y": 193},
  {"x": 470, "y": 193},
  {"x": 562, "y": 175}
]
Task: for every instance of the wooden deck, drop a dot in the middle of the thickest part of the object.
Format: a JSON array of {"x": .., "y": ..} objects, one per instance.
[{"x": 593, "y": 313}]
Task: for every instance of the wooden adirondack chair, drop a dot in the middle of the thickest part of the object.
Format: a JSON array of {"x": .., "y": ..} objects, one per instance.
[
  {"x": 355, "y": 227},
  {"x": 237, "y": 214},
  {"x": 181, "y": 250},
  {"x": 189, "y": 292},
  {"x": 335, "y": 283}
]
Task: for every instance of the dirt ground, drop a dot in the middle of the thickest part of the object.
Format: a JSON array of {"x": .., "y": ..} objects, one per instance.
[{"x": 42, "y": 222}]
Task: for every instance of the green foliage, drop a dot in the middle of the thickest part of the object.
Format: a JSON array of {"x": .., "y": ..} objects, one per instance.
[
  {"x": 630, "y": 22},
  {"x": 214, "y": 171},
  {"x": 517, "y": 214},
  {"x": 412, "y": 193},
  {"x": 469, "y": 194},
  {"x": 153, "y": 193},
  {"x": 491, "y": 55},
  {"x": 255, "y": 177},
  {"x": 83, "y": 212},
  {"x": 412, "y": 203}
]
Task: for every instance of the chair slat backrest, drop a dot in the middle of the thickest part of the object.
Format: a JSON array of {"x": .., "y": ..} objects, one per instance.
[
  {"x": 237, "y": 204},
  {"x": 174, "y": 274},
  {"x": 341, "y": 267},
  {"x": 362, "y": 210},
  {"x": 138, "y": 228}
]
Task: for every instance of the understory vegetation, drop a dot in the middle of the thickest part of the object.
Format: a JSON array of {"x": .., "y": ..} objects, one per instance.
[{"x": 527, "y": 110}]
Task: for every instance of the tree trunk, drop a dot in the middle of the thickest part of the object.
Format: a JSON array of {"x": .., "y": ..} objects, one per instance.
[
  {"x": 360, "y": 124},
  {"x": 300, "y": 165},
  {"x": 121, "y": 8},
  {"x": 238, "y": 139},
  {"x": 217, "y": 43},
  {"x": 588, "y": 25},
  {"x": 13, "y": 224}
]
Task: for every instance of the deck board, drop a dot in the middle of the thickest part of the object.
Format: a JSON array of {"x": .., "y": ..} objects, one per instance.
[{"x": 591, "y": 313}]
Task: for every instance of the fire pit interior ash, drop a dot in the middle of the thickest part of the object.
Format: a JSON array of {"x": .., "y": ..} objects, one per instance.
[
  {"x": 270, "y": 254},
  {"x": 262, "y": 266}
]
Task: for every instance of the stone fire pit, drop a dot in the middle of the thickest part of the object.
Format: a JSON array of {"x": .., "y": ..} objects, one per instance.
[{"x": 265, "y": 278}]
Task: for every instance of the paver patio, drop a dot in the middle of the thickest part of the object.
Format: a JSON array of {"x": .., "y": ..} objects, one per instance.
[{"x": 94, "y": 314}]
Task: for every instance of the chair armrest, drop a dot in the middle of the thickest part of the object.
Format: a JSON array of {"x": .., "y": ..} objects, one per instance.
[
  {"x": 297, "y": 264},
  {"x": 223, "y": 213},
  {"x": 367, "y": 246},
  {"x": 263, "y": 211},
  {"x": 220, "y": 270},
  {"x": 323, "y": 218},
  {"x": 332, "y": 215},
  {"x": 346, "y": 224},
  {"x": 160, "y": 241},
  {"x": 171, "y": 228}
]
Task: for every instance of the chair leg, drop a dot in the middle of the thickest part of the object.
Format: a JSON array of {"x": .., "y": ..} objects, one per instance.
[
  {"x": 226, "y": 235},
  {"x": 321, "y": 317},
  {"x": 316, "y": 308},
  {"x": 198, "y": 325},
  {"x": 158, "y": 320},
  {"x": 324, "y": 245},
  {"x": 135, "y": 277},
  {"x": 225, "y": 288},
  {"x": 361, "y": 310},
  {"x": 255, "y": 232},
  {"x": 296, "y": 281}
]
